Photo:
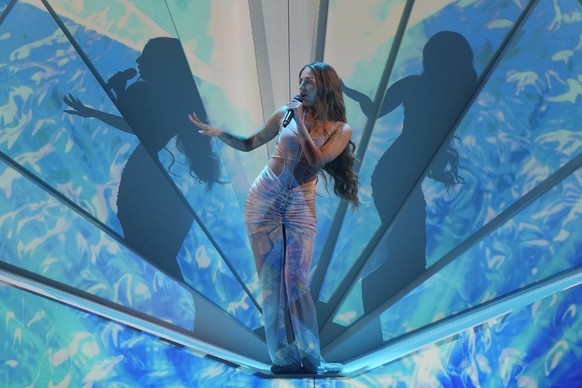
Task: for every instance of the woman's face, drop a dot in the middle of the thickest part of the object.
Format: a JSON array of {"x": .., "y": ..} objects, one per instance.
[{"x": 307, "y": 87}]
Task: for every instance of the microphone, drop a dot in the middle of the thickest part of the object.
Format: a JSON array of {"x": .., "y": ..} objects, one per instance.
[
  {"x": 289, "y": 114},
  {"x": 120, "y": 78}
]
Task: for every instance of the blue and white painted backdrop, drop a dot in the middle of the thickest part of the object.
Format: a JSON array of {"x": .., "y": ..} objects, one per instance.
[{"x": 522, "y": 127}]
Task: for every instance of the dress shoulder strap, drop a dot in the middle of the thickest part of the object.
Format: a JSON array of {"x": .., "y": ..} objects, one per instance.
[{"x": 335, "y": 128}]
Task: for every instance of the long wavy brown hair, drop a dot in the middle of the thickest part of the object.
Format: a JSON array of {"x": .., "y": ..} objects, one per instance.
[{"x": 329, "y": 106}]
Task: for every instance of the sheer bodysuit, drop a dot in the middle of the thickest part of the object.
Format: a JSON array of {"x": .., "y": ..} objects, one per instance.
[{"x": 281, "y": 224}]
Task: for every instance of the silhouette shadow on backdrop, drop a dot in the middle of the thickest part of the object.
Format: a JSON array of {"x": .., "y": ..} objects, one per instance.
[
  {"x": 154, "y": 216},
  {"x": 432, "y": 103}
]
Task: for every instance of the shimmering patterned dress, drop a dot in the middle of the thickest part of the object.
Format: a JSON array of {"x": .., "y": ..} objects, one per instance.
[{"x": 281, "y": 225}]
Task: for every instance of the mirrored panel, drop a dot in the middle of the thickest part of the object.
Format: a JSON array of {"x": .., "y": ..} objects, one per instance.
[
  {"x": 49, "y": 344},
  {"x": 119, "y": 146},
  {"x": 44, "y": 236},
  {"x": 539, "y": 241},
  {"x": 536, "y": 344},
  {"x": 410, "y": 119},
  {"x": 369, "y": 45},
  {"x": 516, "y": 136}
]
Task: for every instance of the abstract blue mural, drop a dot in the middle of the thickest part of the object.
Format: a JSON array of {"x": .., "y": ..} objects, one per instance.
[{"x": 466, "y": 123}]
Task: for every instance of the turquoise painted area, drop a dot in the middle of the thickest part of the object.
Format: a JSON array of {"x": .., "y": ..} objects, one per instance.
[
  {"x": 538, "y": 345},
  {"x": 192, "y": 20},
  {"x": 42, "y": 235},
  {"x": 47, "y": 343},
  {"x": 540, "y": 241}
]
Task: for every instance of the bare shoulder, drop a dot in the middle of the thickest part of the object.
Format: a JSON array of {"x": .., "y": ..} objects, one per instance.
[
  {"x": 346, "y": 128},
  {"x": 342, "y": 129},
  {"x": 339, "y": 132}
]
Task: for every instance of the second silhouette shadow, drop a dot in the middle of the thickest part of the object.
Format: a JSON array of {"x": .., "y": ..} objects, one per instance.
[{"x": 432, "y": 102}]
